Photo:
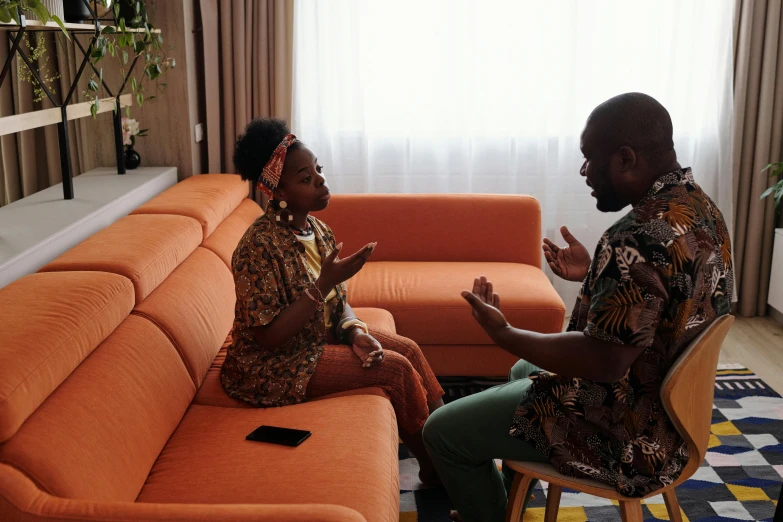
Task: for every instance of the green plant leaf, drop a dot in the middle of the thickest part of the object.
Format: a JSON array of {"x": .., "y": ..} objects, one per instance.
[
  {"x": 139, "y": 47},
  {"x": 767, "y": 192},
  {"x": 124, "y": 58},
  {"x": 116, "y": 9},
  {"x": 109, "y": 29},
  {"x": 41, "y": 12},
  {"x": 93, "y": 86},
  {"x": 60, "y": 23},
  {"x": 138, "y": 7},
  {"x": 140, "y": 99},
  {"x": 94, "y": 108},
  {"x": 153, "y": 71},
  {"x": 5, "y": 16}
]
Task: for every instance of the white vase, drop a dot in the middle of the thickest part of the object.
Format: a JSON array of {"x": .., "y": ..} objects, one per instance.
[{"x": 55, "y": 8}]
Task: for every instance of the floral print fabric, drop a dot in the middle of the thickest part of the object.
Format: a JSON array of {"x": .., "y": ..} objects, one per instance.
[
  {"x": 659, "y": 277},
  {"x": 270, "y": 273}
]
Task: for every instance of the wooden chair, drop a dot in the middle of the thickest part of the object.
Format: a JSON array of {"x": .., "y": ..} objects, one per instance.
[{"x": 687, "y": 394}]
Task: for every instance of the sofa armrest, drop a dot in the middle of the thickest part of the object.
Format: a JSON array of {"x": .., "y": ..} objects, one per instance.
[{"x": 22, "y": 501}]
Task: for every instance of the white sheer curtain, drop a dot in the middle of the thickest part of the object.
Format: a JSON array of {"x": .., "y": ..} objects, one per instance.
[{"x": 464, "y": 96}]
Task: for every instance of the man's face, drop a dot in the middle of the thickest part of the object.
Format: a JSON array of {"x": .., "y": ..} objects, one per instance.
[{"x": 601, "y": 170}]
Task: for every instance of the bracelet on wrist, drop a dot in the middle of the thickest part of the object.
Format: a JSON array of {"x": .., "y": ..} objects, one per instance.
[
  {"x": 347, "y": 325},
  {"x": 319, "y": 304}
]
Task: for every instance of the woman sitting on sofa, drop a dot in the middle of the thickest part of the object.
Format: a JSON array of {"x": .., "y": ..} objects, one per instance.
[{"x": 295, "y": 335}]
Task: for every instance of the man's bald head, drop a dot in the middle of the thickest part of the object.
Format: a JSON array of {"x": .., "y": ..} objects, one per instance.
[
  {"x": 627, "y": 144},
  {"x": 634, "y": 120}
]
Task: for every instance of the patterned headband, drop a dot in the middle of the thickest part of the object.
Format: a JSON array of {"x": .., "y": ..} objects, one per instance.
[{"x": 270, "y": 176}]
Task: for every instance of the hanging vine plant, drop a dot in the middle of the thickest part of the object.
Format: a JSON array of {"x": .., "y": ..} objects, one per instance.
[{"x": 129, "y": 41}]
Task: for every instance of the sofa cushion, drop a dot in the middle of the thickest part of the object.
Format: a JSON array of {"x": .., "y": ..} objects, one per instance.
[
  {"x": 98, "y": 435},
  {"x": 211, "y": 392},
  {"x": 225, "y": 238},
  {"x": 145, "y": 249},
  {"x": 425, "y": 299},
  {"x": 194, "y": 307},
  {"x": 207, "y": 198},
  {"x": 350, "y": 459},
  {"x": 48, "y": 324},
  {"x": 439, "y": 227}
]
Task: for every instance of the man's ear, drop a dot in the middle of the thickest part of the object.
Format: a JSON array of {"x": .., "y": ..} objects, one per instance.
[{"x": 627, "y": 158}]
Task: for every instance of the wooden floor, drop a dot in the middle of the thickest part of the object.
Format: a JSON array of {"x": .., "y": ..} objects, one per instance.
[{"x": 757, "y": 343}]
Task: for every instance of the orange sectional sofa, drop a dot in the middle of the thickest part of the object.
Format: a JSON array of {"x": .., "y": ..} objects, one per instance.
[
  {"x": 430, "y": 248},
  {"x": 110, "y": 401}
]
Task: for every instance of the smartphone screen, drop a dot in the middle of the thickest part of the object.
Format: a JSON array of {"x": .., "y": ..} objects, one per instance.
[{"x": 276, "y": 435}]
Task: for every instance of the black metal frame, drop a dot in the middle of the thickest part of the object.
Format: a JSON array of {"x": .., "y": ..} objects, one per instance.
[{"x": 62, "y": 126}]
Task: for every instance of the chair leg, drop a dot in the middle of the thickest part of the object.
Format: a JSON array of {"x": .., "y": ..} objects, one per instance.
[
  {"x": 552, "y": 502},
  {"x": 631, "y": 511},
  {"x": 517, "y": 498},
  {"x": 672, "y": 505}
]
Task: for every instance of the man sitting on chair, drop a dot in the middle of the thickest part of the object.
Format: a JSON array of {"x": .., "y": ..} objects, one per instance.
[{"x": 588, "y": 400}]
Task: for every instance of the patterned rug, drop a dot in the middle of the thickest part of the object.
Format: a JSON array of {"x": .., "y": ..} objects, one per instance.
[{"x": 739, "y": 480}]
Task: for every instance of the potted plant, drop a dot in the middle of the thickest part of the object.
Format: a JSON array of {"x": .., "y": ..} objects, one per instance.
[
  {"x": 37, "y": 9},
  {"x": 125, "y": 44},
  {"x": 76, "y": 11},
  {"x": 775, "y": 298},
  {"x": 134, "y": 12},
  {"x": 130, "y": 129}
]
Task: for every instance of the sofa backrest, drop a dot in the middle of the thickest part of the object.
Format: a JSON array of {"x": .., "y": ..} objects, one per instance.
[
  {"x": 439, "y": 227},
  {"x": 99, "y": 432},
  {"x": 102, "y": 352}
]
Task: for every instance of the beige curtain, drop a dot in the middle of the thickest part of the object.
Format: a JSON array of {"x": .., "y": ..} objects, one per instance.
[
  {"x": 248, "y": 69},
  {"x": 30, "y": 160},
  {"x": 758, "y": 141}
]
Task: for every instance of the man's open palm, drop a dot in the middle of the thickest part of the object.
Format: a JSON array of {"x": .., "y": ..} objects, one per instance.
[
  {"x": 486, "y": 305},
  {"x": 570, "y": 263}
]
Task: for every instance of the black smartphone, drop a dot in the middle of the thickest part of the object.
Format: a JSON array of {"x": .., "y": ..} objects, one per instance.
[{"x": 276, "y": 435}]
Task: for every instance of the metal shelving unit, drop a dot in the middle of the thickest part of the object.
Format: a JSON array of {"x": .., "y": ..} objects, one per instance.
[{"x": 64, "y": 110}]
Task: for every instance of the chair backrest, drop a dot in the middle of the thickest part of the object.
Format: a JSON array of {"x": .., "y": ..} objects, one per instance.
[{"x": 688, "y": 389}]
